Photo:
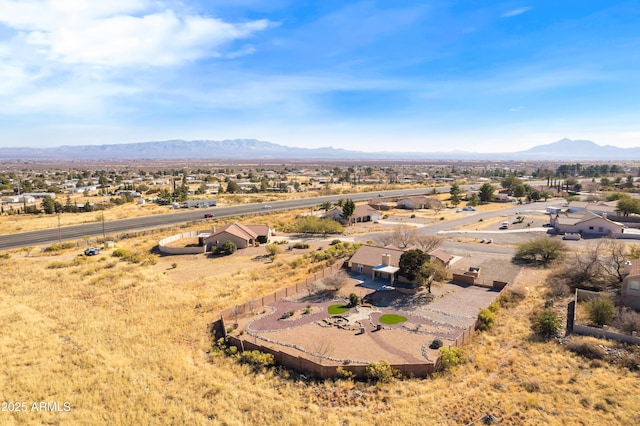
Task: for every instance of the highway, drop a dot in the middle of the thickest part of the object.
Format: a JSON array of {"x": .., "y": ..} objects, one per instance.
[{"x": 65, "y": 233}]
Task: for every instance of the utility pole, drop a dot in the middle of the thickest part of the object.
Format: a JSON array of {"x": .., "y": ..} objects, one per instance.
[
  {"x": 104, "y": 237},
  {"x": 59, "y": 231}
]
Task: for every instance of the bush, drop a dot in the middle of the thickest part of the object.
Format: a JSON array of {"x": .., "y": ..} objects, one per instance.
[
  {"x": 57, "y": 247},
  {"x": 436, "y": 344},
  {"x": 133, "y": 257},
  {"x": 381, "y": 372},
  {"x": 451, "y": 357},
  {"x": 586, "y": 349},
  {"x": 344, "y": 373},
  {"x": 301, "y": 245},
  {"x": 334, "y": 242},
  {"x": 486, "y": 319},
  {"x": 547, "y": 323},
  {"x": 228, "y": 247},
  {"x": 258, "y": 360},
  {"x": 353, "y": 299},
  {"x": 600, "y": 310}
]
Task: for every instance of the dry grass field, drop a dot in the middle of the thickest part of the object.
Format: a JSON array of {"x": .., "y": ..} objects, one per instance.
[{"x": 129, "y": 344}]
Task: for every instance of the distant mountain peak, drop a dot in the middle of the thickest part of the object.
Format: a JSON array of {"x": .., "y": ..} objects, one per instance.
[{"x": 252, "y": 149}]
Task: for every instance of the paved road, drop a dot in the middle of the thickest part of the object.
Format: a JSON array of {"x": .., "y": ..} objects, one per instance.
[{"x": 49, "y": 236}]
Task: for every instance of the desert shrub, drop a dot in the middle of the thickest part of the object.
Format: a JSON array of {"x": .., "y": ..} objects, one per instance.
[
  {"x": 510, "y": 298},
  {"x": 315, "y": 225},
  {"x": 627, "y": 321},
  {"x": 57, "y": 265},
  {"x": 586, "y": 349},
  {"x": 413, "y": 216},
  {"x": 436, "y": 344},
  {"x": 600, "y": 310},
  {"x": 61, "y": 246},
  {"x": 258, "y": 360},
  {"x": 345, "y": 374},
  {"x": 134, "y": 257},
  {"x": 334, "y": 242},
  {"x": 353, "y": 299},
  {"x": 301, "y": 245},
  {"x": 493, "y": 307},
  {"x": 5, "y": 256},
  {"x": 558, "y": 287},
  {"x": 336, "y": 281},
  {"x": 381, "y": 372},
  {"x": 227, "y": 247},
  {"x": 547, "y": 323},
  {"x": 451, "y": 357},
  {"x": 486, "y": 319}
]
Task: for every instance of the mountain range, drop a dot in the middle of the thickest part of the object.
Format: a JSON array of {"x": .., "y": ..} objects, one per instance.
[{"x": 251, "y": 149}]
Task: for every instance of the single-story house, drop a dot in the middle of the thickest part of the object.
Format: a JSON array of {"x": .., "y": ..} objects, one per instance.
[
  {"x": 586, "y": 223},
  {"x": 418, "y": 202},
  {"x": 630, "y": 291},
  {"x": 362, "y": 213},
  {"x": 242, "y": 236},
  {"x": 376, "y": 262},
  {"x": 441, "y": 257}
]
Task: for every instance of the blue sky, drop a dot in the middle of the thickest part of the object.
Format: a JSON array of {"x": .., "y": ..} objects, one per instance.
[{"x": 367, "y": 75}]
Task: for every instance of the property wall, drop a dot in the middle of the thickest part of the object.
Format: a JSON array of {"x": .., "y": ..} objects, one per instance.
[
  {"x": 162, "y": 244},
  {"x": 629, "y": 296},
  {"x": 316, "y": 366},
  {"x": 463, "y": 279},
  {"x": 585, "y": 330},
  {"x": 303, "y": 285}
]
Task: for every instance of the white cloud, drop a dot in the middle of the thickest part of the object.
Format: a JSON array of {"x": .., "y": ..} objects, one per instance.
[
  {"x": 120, "y": 32},
  {"x": 515, "y": 12},
  {"x": 516, "y": 109}
]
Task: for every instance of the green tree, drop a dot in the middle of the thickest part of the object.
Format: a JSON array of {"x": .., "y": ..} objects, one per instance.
[
  {"x": 473, "y": 200},
  {"x": 486, "y": 193},
  {"x": 411, "y": 262},
  {"x": 541, "y": 250},
  {"x": 454, "y": 192},
  {"x": 519, "y": 191},
  {"x": 348, "y": 207},
  {"x": 627, "y": 205},
  {"x": 430, "y": 272},
  {"x": 326, "y": 206},
  {"x": 233, "y": 187},
  {"x": 510, "y": 183},
  {"x": 601, "y": 310},
  {"x": 48, "y": 205}
]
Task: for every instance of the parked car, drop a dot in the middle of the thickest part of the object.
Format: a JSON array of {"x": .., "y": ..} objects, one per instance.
[
  {"x": 469, "y": 209},
  {"x": 91, "y": 251},
  {"x": 208, "y": 215}
]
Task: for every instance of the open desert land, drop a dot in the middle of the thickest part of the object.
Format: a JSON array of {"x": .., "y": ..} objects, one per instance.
[{"x": 130, "y": 343}]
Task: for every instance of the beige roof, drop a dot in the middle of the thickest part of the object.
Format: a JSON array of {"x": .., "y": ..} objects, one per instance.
[
  {"x": 364, "y": 210},
  {"x": 259, "y": 230},
  {"x": 236, "y": 229},
  {"x": 372, "y": 256},
  {"x": 442, "y": 255}
]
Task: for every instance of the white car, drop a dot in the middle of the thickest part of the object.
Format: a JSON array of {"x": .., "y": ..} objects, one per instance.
[{"x": 266, "y": 206}]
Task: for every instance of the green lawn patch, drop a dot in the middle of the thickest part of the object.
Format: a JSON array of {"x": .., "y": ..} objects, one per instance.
[
  {"x": 338, "y": 309},
  {"x": 392, "y": 319}
]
